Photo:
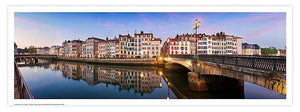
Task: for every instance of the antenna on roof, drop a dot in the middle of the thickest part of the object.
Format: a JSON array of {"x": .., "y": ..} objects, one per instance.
[{"x": 135, "y": 31}]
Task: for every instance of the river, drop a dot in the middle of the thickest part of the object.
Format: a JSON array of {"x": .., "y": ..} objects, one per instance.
[{"x": 72, "y": 80}]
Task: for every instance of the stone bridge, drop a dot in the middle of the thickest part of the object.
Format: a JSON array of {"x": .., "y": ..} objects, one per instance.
[
  {"x": 268, "y": 63},
  {"x": 34, "y": 57},
  {"x": 270, "y": 76}
]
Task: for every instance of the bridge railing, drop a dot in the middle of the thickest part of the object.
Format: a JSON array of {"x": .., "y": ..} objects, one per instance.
[
  {"x": 274, "y": 63},
  {"x": 20, "y": 85},
  {"x": 49, "y": 55}
]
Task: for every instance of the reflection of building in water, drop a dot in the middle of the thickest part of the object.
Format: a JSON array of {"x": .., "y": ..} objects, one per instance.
[
  {"x": 70, "y": 70},
  {"x": 54, "y": 67},
  {"x": 88, "y": 74},
  {"x": 142, "y": 81},
  {"x": 199, "y": 82}
]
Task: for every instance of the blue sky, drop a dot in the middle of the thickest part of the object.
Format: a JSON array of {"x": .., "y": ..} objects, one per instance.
[{"x": 47, "y": 29}]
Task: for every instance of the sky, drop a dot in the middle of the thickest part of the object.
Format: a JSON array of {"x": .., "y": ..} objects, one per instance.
[{"x": 52, "y": 28}]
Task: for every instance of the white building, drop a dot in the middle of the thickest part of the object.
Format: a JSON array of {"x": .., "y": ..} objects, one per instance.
[
  {"x": 143, "y": 45},
  {"x": 61, "y": 51},
  {"x": 112, "y": 48},
  {"x": 90, "y": 47},
  {"x": 54, "y": 50},
  {"x": 72, "y": 48},
  {"x": 42, "y": 50}
]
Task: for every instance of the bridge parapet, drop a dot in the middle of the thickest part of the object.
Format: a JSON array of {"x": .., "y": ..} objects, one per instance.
[
  {"x": 35, "y": 55},
  {"x": 20, "y": 86},
  {"x": 273, "y": 63}
]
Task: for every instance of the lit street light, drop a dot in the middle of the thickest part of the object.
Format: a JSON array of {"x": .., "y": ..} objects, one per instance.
[{"x": 195, "y": 27}]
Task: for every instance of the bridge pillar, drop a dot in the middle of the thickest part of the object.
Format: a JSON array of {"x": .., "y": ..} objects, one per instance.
[
  {"x": 195, "y": 64},
  {"x": 36, "y": 60},
  {"x": 202, "y": 82},
  {"x": 195, "y": 82}
]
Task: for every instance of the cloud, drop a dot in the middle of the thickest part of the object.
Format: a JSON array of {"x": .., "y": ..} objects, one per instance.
[
  {"x": 185, "y": 17},
  {"x": 264, "y": 31},
  {"x": 38, "y": 24},
  {"x": 262, "y": 17},
  {"x": 26, "y": 29}
]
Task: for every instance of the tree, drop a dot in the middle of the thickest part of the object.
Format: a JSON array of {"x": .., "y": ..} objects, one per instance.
[
  {"x": 31, "y": 50},
  {"x": 271, "y": 50}
]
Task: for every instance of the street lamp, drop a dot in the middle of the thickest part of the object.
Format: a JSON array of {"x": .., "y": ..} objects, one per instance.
[{"x": 195, "y": 27}]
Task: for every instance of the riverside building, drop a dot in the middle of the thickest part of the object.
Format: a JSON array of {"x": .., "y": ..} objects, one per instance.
[
  {"x": 112, "y": 48},
  {"x": 90, "y": 47},
  {"x": 251, "y": 49},
  {"x": 143, "y": 45},
  {"x": 219, "y": 44},
  {"x": 54, "y": 50},
  {"x": 72, "y": 48}
]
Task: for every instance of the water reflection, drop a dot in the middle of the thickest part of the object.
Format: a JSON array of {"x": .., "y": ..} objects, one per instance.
[
  {"x": 197, "y": 82},
  {"x": 54, "y": 80},
  {"x": 195, "y": 86},
  {"x": 275, "y": 84},
  {"x": 141, "y": 80}
]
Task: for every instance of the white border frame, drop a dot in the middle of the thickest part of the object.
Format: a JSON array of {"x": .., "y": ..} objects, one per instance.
[{"x": 150, "y": 8}]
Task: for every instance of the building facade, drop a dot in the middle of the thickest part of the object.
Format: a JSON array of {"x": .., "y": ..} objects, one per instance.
[
  {"x": 72, "y": 48},
  {"x": 123, "y": 45},
  {"x": 54, "y": 50},
  {"x": 15, "y": 48},
  {"x": 251, "y": 49},
  {"x": 42, "y": 50},
  {"x": 101, "y": 49},
  {"x": 90, "y": 47},
  {"x": 112, "y": 48},
  {"x": 219, "y": 44},
  {"x": 143, "y": 45},
  {"x": 61, "y": 51}
]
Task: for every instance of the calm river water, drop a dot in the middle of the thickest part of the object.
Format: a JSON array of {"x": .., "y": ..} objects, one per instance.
[{"x": 70, "y": 80}]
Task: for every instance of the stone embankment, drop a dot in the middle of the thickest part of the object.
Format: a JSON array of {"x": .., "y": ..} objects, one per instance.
[{"x": 126, "y": 62}]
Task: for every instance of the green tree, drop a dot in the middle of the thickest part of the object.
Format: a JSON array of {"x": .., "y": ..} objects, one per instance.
[
  {"x": 31, "y": 50},
  {"x": 271, "y": 50}
]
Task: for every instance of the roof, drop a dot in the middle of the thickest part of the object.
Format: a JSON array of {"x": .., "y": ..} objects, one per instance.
[
  {"x": 95, "y": 38},
  {"x": 156, "y": 39},
  {"x": 201, "y": 35},
  {"x": 124, "y": 35},
  {"x": 250, "y": 46},
  {"x": 142, "y": 33},
  {"x": 112, "y": 40},
  {"x": 77, "y": 41}
]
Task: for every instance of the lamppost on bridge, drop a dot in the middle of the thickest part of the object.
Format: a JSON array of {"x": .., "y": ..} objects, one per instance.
[{"x": 195, "y": 27}]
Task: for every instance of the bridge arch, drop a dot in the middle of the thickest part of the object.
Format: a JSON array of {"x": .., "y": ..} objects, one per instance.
[{"x": 185, "y": 63}]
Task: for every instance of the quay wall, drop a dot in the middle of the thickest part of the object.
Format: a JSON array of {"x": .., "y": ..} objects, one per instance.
[{"x": 125, "y": 62}]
